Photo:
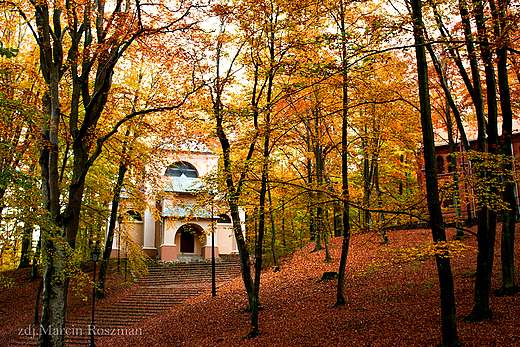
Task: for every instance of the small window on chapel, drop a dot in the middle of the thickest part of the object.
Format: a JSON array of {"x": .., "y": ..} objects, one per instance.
[
  {"x": 179, "y": 168},
  {"x": 440, "y": 165}
]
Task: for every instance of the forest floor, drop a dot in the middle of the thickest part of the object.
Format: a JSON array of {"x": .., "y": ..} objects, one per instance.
[{"x": 392, "y": 300}]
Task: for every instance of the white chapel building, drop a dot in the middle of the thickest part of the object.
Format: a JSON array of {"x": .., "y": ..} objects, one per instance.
[{"x": 180, "y": 228}]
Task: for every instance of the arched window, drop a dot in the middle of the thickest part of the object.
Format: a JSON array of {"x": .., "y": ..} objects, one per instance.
[
  {"x": 223, "y": 218},
  {"x": 450, "y": 165},
  {"x": 440, "y": 164},
  {"x": 181, "y": 167}
]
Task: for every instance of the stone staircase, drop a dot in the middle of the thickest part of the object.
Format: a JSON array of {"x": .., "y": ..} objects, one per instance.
[
  {"x": 161, "y": 289},
  {"x": 185, "y": 273}
]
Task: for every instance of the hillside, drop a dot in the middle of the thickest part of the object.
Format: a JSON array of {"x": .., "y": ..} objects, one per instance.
[
  {"x": 393, "y": 305},
  {"x": 389, "y": 304}
]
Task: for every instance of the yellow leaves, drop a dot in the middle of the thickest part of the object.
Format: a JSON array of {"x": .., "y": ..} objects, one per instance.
[
  {"x": 409, "y": 254},
  {"x": 444, "y": 249},
  {"x": 6, "y": 282},
  {"x": 480, "y": 178}
]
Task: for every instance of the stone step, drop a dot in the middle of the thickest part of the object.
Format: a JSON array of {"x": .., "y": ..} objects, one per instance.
[
  {"x": 127, "y": 314},
  {"x": 181, "y": 279},
  {"x": 162, "y": 296},
  {"x": 107, "y": 322},
  {"x": 191, "y": 269},
  {"x": 187, "y": 276},
  {"x": 174, "y": 275},
  {"x": 188, "y": 271},
  {"x": 149, "y": 302},
  {"x": 85, "y": 325}
]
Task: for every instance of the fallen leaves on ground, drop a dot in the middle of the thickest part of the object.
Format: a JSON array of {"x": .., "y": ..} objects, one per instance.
[
  {"x": 17, "y": 302},
  {"x": 388, "y": 303}
]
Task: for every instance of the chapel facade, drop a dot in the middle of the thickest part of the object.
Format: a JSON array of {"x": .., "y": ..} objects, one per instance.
[{"x": 179, "y": 229}]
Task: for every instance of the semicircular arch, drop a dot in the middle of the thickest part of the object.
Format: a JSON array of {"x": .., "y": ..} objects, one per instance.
[{"x": 180, "y": 168}]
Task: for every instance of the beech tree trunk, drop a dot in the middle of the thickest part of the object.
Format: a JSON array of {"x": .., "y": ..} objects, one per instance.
[
  {"x": 379, "y": 203},
  {"x": 509, "y": 214},
  {"x": 25, "y": 259},
  {"x": 318, "y": 154},
  {"x": 345, "y": 198},
  {"x": 103, "y": 268},
  {"x": 233, "y": 196},
  {"x": 367, "y": 183},
  {"x": 487, "y": 217},
  {"x": 452, "y": 162},
  {"x": 254, "y": 330},
  {"x": 273, "y": 230},
  {"x": 37, "y": 303},
  {"x": 233, "y": 189},
  {"x": 448, "y": 313}
]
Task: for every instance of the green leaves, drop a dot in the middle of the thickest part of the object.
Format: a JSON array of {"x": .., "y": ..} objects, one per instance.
[{"x": 8, "y": 52}]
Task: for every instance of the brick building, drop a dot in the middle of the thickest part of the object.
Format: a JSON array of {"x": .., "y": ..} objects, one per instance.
[{"x": 445, "y": 172}]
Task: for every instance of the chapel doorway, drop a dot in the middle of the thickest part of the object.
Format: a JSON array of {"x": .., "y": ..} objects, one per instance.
[{"x": 187, "y": 242}]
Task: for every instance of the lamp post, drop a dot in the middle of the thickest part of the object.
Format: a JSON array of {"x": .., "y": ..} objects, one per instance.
[
  {"x": 119, "y": 220},
  {"x": 213, "y": 286},
  {"x": 256, "y": 223},
  {"x": 126, "y": 258},
  {"x": 95, "y": 258}
]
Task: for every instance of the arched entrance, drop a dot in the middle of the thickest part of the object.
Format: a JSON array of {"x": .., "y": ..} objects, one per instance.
[
  {"x": 187, "y": 242},
  {"x": 187, "y": 239}
]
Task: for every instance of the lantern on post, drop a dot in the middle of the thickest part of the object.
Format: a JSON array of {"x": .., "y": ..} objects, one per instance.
[{"x": 95, "y": 257}]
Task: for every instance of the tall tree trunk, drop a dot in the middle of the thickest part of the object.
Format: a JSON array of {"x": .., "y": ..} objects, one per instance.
[
  {"x": 474, "y": 89},
  {"x": 273, "y": 230},
  {"x": 91, "y": 77},
  {"x": 54, "y": 300},
  {"x": 254, "y": 330},
  {"x": 345, "y": 198},
  {"x": 234, "y": 189},
  {"x": 234, "y": 192},
  {"x": 510, "y": 212},
  {"x": 37, "y": 302},
  {"x": 487, "y": 217},
  {"x": 103, "y": 268},
  {"x": 272, "y": 21},
  {"x": 25, "y": 259},
  {"x": 36, "y": 256},
  {"x": 310, "y": 181},
  {"x": 284, "y": 241},
  {"x": 452, "y": 162},
  {"x": 326, "y": 231},
  {"x": 318, "y": 154},
  {"x": 379, "y": 203},
  {"x": 448, "y": 314},
  {"x": 450, "y": 103},
  {"x": 367, "y": 182}
]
